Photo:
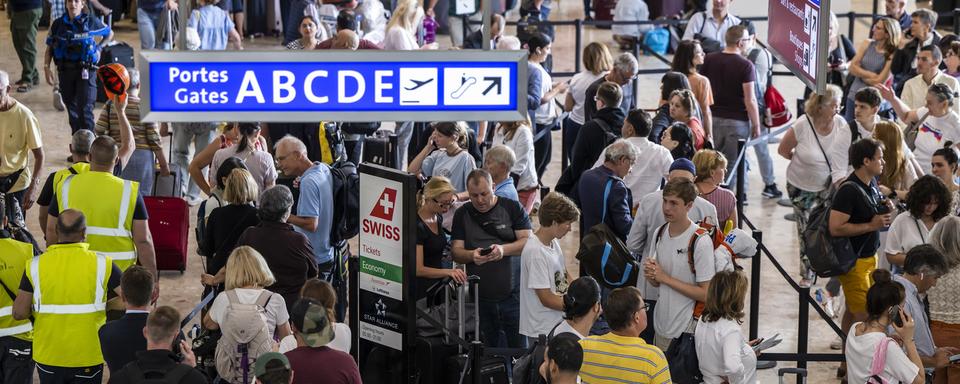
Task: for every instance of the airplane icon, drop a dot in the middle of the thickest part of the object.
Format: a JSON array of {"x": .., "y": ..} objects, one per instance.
[{"x": 418, "y": 84}]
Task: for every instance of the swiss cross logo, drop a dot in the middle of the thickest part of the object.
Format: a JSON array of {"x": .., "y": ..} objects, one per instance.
[{"x": 386, "y": 205}]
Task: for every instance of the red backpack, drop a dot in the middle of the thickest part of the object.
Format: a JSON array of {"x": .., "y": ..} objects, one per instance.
[{"x": 777, "y": 112}]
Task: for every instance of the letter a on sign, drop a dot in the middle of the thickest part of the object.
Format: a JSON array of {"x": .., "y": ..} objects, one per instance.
[{"x": 385, "y": 205}]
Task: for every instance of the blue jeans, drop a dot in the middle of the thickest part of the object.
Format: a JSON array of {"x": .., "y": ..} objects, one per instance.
[
  {"x": 200, "y": 134},
  {"x": 726, "y": 133},
  {"x": 500, "y": 320},
  {"x": 147, "y": 24},
  {"x": 140, "y": 169},
  {"x": 762, "y": 150}
]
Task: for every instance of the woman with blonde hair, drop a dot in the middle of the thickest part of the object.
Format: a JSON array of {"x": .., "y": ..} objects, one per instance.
[
  {"x": 816, "y": 146},
  {"x": 871, "y": 65},
  {"x": 898, "y": 171},
  {"x": 446, "y": 155},
  {"x": 724, "y": 354},
  {"x": 247, "y": 277},
  {"x": 227, "y": 223},
  {"x": 518, "y": 136},
  {"x": 711, "y": 171},
  {"x": 597, "y": 61},
  {"x": 944, "y": 307},
  {"x": 433, "y": 201}
]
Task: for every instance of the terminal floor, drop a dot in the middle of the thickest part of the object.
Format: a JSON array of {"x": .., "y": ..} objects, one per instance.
[{"x": 779, "y": 303}]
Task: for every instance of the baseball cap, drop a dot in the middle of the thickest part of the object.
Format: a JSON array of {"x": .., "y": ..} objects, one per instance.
[
  {"x": 260, "y": 367},
  {"x": 684, "y": 164},
  {"x": 312, "y": 322}
]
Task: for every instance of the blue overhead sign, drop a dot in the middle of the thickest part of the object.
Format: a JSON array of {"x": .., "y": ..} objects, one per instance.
[{"x": 333, "y": 85}]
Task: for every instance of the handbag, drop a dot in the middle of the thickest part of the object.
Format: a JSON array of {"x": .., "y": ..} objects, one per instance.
[
  {"x": 910, "y": 133},
  {"x": 682, "y": 359}
]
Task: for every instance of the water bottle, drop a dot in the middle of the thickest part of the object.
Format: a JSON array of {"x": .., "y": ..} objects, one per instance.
[{"x": 429, "y": 30}]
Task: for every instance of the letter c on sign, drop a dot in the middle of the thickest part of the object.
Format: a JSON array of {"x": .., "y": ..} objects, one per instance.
[{"x": 308, "y": 87}]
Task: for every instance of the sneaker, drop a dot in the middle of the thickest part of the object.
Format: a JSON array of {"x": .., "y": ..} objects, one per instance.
[
  {"x": 836, "y": 344},
  {"x": 785, "y": 202},
  {"x": 58, "y": 100},
  {"x": 194, "y": 201},
  {"x": 790, "y": 217},
  {"x": 771, "y": 192}
]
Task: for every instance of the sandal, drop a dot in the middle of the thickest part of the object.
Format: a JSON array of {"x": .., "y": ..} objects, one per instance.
[{"x": 24, "y": 87}]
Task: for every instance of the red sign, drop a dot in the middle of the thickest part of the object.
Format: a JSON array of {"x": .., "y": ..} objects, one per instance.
[
  {"x": 386, "y": 205},
  {"x": 796, "y": 29}
]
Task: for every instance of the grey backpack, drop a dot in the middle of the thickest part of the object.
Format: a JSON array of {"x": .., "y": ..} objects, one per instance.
[{"x": 245, "y": 337}]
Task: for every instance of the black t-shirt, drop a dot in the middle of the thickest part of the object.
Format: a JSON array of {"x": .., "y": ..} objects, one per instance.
[
  {"x": 480, "y": 230},
  {"x": 434, "y": 245},
  {"x": 859, "y": 200}
]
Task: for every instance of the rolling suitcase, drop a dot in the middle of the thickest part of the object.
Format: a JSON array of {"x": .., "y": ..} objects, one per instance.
[
  {"x": 459, "y": 367},
  {"x": 119, "y": 52},
  {"x": 381, "y": 149},
  {"x": 169, "y": 223},
  {"x": 172, "y": 185}
]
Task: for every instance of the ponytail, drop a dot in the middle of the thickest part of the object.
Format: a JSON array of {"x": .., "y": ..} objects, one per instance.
[{"x": 246, "y": 130}]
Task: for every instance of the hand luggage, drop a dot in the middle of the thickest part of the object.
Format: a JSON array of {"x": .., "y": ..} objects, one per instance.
[
  {"x": 169, "y": 221},
  {"x": 603, "y": 11},
  {"x": 459, "y": 368},
  {"x": 800, "y": 372},
  {"x": 118, "y": 52},
  {"x": 381, "y": 149},
  {"x": 171, "y": 185}
]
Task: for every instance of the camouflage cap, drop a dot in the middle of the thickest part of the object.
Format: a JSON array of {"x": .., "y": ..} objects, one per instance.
[
  {"x": 312, "y": 323},
  {"x": 260, "y": 367}
]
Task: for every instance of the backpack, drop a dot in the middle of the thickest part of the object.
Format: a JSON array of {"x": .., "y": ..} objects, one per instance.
[
  {"x": 346, "y": 198},
  {"x": 202, "y": 222},
  {"x": 722, "y": 251},
  {"x": 245, "y": 337},
  {"x": 771, "y": 104},
  {"x": 708, "y": 44},
  {"x": 155, "y": 376},
  {"x": 657, "y": 40},
  {"x": 604, "y": 256},
  {"x": 829, "y": 256},
  {"x": 879, "y": 361},
  {"x": 331, "y": 143},
  {"x": 526, "y": 368}
]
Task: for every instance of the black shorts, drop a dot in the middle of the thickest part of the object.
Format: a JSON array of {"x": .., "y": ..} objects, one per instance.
[{"x": 232, "y": 6}]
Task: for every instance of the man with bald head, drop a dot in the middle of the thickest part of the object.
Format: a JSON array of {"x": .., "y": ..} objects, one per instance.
[
  {"x": 347, "y": 21},
  {"x": 113, "y": 207},
  {"x": 346, "y": 39},
  {"x": 65, "y": 290}
]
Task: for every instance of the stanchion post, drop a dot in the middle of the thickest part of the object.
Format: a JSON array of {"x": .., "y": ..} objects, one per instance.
[
  {"x": 578, "y": 44},
  {"x": 851, "y": 17},
  {"x": 741, "y": 181},
  {"x": 755, "y": 287},
  {"x": 803, "y": 320},
  {"x": 876, "y": 8},
  {"x": 353, "y": 266}
]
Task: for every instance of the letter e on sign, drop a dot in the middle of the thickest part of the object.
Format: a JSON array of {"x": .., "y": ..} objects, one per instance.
[{"x": 385, "y": 205}]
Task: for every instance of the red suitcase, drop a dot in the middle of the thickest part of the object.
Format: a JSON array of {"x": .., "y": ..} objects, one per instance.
[
  {"x": 603, "y": 11},
  {"x": 169, "y": 223}
]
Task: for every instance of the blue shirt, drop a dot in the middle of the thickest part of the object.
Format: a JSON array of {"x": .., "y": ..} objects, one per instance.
[
  {"x": 213, "y": 25},
  {"x": 507, "y": 190},
  {"x": 316, "y": 201},
  {"x": 73, "y": 40},
  {"x": 913, "y": 305}
]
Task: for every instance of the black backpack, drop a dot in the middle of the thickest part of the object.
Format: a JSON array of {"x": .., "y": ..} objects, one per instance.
[
  {"x": 365, "y": 129},
  {"x": 156, "y": 376},
  {"x": 346, "y": 198},
  {"x": 829, "y": 255},
  {"x": 604, "y": 256}
]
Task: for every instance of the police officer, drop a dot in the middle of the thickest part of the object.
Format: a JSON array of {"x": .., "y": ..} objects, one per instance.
[
  {"x": 16, "y": 336},
  {"x": 66, "y": 290},
  {"x": 113, "y": 207},
  {"x": 71, "y": 44}
]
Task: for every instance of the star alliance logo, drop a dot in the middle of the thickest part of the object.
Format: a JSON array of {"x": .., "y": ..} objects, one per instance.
[{"x": 381, "y": 308}]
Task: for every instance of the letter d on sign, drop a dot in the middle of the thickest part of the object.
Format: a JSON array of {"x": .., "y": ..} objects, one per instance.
[
  {"x": 283, "y": 83},
  {"x": 341, "y": 93}
]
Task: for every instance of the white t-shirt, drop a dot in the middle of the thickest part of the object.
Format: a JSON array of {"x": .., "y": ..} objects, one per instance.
[
  {"x": 578, "y": 88},
  {"x": 541, "y": 267},
  {"x": 723, "y": 352},
  {"x": 341, "y": 340},
  {"x": 276, "y": 310},
  {"x": 545, "y": 111},
  {"x": 934, "y": 133},
  {"x": 652, "y": 168},
  {"x": 565, "y": 327},
  {"x": 859, "y": 353},
  {"x": 905, "y": 232},
  {"x": 399, "y": 39},
  {"x": 674, "y": 310},
  {"x": 808, "y": 168}
]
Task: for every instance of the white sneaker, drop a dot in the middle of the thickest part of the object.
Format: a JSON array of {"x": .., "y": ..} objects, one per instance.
[
  {"x": 194, "y": 201},
  {"x": 58, "y": 100}
]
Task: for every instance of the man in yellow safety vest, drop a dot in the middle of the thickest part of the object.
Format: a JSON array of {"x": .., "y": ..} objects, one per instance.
[
  {"x": 66, "y": 290},
  {"x": 116, "y": 216},
  {"x": 16, "y": 336}
]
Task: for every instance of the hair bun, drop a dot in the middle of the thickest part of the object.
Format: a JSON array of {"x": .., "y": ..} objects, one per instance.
[
  {"x": 881, "y": 276},
  {"x": 948, "y": 144}
]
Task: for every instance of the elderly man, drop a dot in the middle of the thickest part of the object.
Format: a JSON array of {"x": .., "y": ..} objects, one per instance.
[
  {"x": 897, "y": 10},
  {"x": 498, "y": 161},
  {"x": 904, "y": 65},
  {"x": 609, "y": 198},
  {"x": 625, "y": 68},
  {"x": 288, "y": 253},
  {"x": 928, "y": 73},
  {"x": 490, "y": 232},
  {"x": 19, "y": 137}
]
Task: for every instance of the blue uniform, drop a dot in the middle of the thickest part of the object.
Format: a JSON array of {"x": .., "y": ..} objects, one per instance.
[{"x": 75, "y": 51}]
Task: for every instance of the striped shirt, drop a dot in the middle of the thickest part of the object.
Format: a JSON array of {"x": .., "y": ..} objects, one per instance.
[
  {"x": 145, "y": 135},
  {"x": 619, "y": 359},
  {"x": 725, "y": 202}
]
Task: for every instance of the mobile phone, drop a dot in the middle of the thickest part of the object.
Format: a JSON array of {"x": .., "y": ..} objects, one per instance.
[
  {"x": 486, "y": 251},
  {"x": 895, "y": 316}
]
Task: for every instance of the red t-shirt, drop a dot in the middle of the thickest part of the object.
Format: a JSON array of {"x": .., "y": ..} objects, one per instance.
[
  {"x": 699, "y": 137},
  {"x": 322, "y": 365}
]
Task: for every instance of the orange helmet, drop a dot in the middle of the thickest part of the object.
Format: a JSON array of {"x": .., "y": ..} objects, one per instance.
[{"x": 114, "y": 78}]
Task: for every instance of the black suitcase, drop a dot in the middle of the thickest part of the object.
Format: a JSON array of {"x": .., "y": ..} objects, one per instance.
[
  {"x": 117, "y": 53},
  {"x": 381, "y": 149},
  {"x": 458, "y": 368}
]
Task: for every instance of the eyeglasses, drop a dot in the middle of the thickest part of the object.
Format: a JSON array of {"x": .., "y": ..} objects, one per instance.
[
  {"x": 645, "y": 307},
  {"x": 446, "y": 204}
]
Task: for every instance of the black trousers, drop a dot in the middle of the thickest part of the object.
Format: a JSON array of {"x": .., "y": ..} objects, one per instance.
[
  {"x": 67, "y": 375},
  {"x": 542, "y": 148},
  {"x": 354, "y": 150},
  {"x": 16, "y": 363},
  {"x": 79, "y": 94}
]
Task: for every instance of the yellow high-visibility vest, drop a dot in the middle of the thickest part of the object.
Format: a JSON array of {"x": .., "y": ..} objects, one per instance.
[
  {"x": 61, "y": 175},
  {"x": 13, "y": 258},
  {"x": 69, "y": 304},
  {"x": 107, "y": 202}
]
